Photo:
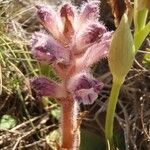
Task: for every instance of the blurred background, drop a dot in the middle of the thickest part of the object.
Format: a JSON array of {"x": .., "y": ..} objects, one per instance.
[{"x": 26, "y": 121}]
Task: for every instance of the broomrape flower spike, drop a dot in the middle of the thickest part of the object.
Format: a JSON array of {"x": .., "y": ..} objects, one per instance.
[{"x": 74, "y": 42}]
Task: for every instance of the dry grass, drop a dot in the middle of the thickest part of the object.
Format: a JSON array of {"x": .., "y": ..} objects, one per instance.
[{"x": 35, "y": 119}]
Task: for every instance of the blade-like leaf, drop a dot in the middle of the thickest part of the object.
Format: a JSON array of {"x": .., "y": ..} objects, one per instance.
[
  {"x": 118, "y": 9},
  {"x": 141, "y": 35}
]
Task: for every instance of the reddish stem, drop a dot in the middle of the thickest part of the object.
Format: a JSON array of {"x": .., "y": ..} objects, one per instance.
[{"x": 70, "y": 136}]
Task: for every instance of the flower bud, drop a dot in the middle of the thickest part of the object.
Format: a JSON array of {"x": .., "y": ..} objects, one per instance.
[
  {"x": 48, "y": 50},
  {"x": 95, "y": 52},
  {"x": 67, "y": 16},
  {"x": 90, "y": 11},
  {"x": 46, "y": 87},
  {"x": 90, "y": 34},
  {"x": 49, "y": 20},
  {"x": 84, "y": 88},
  {"x": 122, "y": 50}
]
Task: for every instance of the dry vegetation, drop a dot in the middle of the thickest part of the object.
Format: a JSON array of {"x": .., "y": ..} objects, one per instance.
[{"x": 33, "y": 119}]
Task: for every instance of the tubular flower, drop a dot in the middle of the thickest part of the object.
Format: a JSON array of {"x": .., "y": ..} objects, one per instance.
[
  {"x": 45, "y": 48},
  {"x": 48, "y": 19},
  {"x": 88, "y": 36},
  {"x": 46, "y": 87},
  {"x": 71, "y": 50},
  {"x": 67, "y": 17},
  {"x": 84, "y": 88},
  {"x": 89, "y": 11}
]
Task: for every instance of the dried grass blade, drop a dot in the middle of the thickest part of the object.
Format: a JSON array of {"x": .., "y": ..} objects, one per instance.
[
  {"x": 118, "y": 9},
  {"x": 0, "y": 80}
]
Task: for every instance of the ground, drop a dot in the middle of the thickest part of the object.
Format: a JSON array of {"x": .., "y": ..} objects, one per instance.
[{"x": 26, "y": 121}]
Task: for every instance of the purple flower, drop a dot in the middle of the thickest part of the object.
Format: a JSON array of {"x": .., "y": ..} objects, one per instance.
[
  {"x": 49, "y": 20},
  {"x": 89, "y": 11},
  {"x": 46, "y": 87},
  {"x": 46, "y": 49},
  {"x": 75, "y": 41},
  {"x": 67, "y": 15},
  {"x": 94, "y": 53},
  {"x": 84, "y": 88},
  {"x": 89, "y": 35}
]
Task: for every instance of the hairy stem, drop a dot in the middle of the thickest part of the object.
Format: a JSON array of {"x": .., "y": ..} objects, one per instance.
[{"x": 70, "y": 136}]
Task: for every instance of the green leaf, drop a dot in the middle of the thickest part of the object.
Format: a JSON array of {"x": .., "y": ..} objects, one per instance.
[
  {"x": 119, "y": 140},
  {"x": 91, "y": 141},
  {"x": 7, "y": 122},
  {"x": 56, "y": 113},
  {"x": 141, "y": 35},
  {"x": 140, "y": 15},
  {"x": 141, "y": 19},
  {"x": 53, "y": 138},
  {"x": 146, "y": 60}
]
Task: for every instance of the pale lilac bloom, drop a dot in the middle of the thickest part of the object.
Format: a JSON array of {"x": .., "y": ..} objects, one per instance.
[
  {"x": 75, "y": 42},
  {"x": 84, "y": 87},
  {"x": 46, "y": 49},
  {"x": 89, "y": 35},
  {"x": 67, "y": 16},
  {"x": 46, "y": 87},
  {"x": 48, "y": 18},
  {"x": 95, "y": 52},
  {"x": 89, "y": 11}
]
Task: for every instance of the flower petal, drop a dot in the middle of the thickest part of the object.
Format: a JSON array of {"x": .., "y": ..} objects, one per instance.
[
  {"x": 49, "y": 20},
  {"x": 67, "y": 16},
  {"x": 86, "y": 96},
  {"x": 88, "y": 35},
  {"x": 47, "y": 49},
  {"x": 89, "y": 11},
  {"x": 94, "y": 53},
  {"x": 84, "y": 88},
  {"x": 46, "y": 87}
]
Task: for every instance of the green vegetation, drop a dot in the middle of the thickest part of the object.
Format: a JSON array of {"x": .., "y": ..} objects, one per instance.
[{"x": 26, "y": 120}]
